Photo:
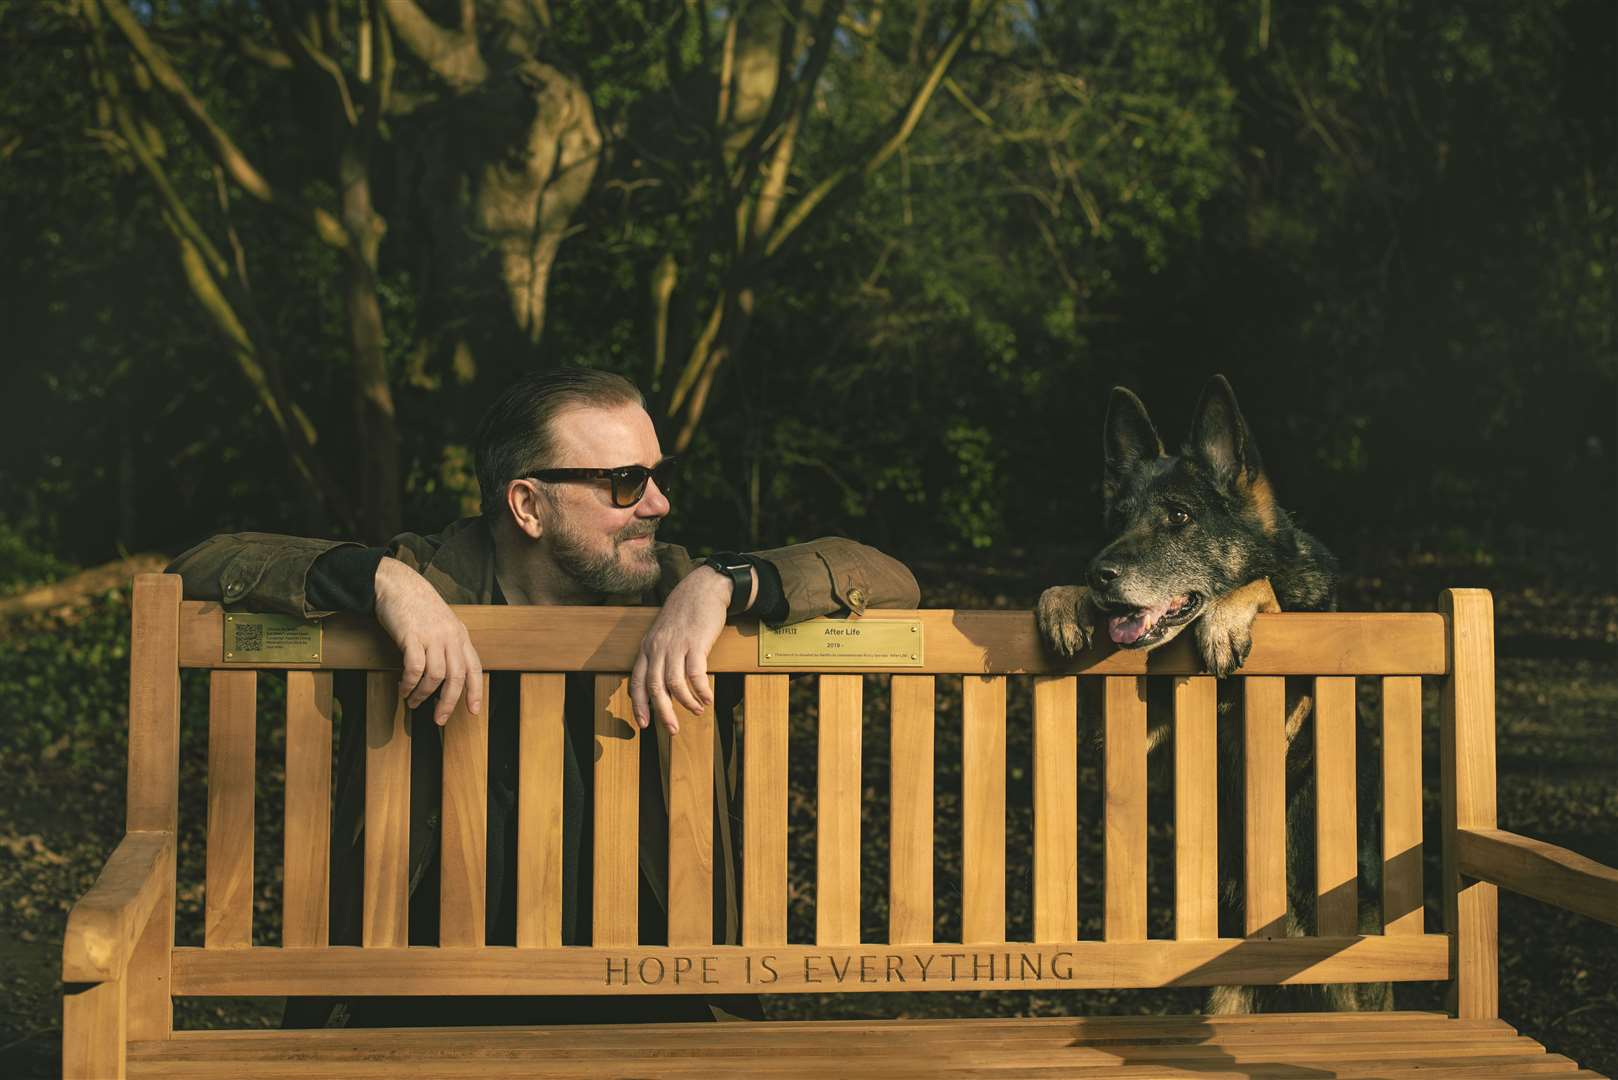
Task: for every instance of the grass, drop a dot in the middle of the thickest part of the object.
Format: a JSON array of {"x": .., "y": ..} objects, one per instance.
[{"x": 61, "y": 686}]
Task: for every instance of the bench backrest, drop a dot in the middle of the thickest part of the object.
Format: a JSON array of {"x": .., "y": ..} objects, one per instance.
[{"x": 985, "y": 649}]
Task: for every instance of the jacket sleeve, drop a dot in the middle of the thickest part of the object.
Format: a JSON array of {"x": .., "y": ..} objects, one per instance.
[
  {"x": 833, "y": 574},
  {"x": 254, "y": 571}
]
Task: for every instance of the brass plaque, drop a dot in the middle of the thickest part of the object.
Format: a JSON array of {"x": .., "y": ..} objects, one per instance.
[
  {"x": 826, "y": 643},
  {"x": 271, "y": 639}
]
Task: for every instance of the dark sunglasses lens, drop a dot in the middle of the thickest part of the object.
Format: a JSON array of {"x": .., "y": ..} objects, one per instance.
[
  {"x": 629, "y": 486},
  {"x": 627, "y": 489}
]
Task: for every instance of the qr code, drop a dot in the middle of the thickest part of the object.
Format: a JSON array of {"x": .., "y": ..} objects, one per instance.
[{"x": 249, "y": 638}]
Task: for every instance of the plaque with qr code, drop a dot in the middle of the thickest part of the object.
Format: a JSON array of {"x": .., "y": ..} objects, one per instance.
[
  {"x": 817, "y": 644},
  {"x": 271, "y": 639}
]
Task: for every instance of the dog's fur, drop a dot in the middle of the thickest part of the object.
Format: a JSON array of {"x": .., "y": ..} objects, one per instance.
[{"x": 1197, "y": 540}]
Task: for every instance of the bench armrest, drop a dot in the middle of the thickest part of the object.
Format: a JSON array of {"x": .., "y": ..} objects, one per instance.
[
  {"x": 1544, "y": 871},
  {"x": 104, "y": 925}
]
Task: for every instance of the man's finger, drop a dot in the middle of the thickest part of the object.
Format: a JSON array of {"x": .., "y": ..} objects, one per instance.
[
  {"x": 454, "y": 683},
  {"x": 680, "y": 689},
  {"x": 432, "y": 678},
  {"x": 696, "y": 673},
  {"x": 474, "y": 679},
  {"x": 662, "y": 707},
  {"x": 415, "y": 663},
  {"x": 637, "y": 691}
]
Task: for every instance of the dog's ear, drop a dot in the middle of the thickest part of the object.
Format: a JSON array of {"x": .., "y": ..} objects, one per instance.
[
  {"x": 1130, "y": 439},
  {"x": 1220, "y": 438}
]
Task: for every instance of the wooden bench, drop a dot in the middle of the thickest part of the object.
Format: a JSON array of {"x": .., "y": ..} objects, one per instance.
[{"x": 123, "y": 971}]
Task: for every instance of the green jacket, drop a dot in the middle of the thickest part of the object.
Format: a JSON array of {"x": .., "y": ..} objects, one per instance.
[{"x": 266, "y": 572}]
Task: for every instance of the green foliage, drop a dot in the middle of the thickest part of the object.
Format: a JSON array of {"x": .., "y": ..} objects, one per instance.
[
  {"x": 64, "y": 683},
  {"x": 1357, "y": 210},
  {"x": 23, "y": 562}
]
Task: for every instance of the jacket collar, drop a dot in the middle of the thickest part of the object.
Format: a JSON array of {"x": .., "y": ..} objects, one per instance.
[{"x": 462, "y": 569}]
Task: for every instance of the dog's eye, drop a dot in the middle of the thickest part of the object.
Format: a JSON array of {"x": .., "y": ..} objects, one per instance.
[{"x": 1179, "y": 517}]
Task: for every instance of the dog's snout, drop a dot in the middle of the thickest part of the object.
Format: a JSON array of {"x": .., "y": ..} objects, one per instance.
[{"x": 1103, "y": 574}]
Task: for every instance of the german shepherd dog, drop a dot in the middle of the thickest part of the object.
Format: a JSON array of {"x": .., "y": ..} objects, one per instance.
[{"x": 1197, "y": 540}]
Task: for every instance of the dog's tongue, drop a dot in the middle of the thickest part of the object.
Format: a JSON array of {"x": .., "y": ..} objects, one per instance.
[{"x": 1128, "y": 629}]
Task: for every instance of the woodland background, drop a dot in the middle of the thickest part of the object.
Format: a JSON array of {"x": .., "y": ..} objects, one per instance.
[{"x": 876, "y": 265}]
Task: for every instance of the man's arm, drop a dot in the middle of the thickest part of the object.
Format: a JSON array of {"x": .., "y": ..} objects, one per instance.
[
  {"x": 832, "y": 575},
  {"x": 254, "y": 571},
  {"x": 818, "y": 578},
  {"x": 311, "y": 578}
]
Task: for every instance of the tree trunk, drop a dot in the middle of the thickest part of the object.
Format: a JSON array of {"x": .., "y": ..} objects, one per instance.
[
  {"x": 375, "y": 427},
  {"x": 514, "y": 150}
]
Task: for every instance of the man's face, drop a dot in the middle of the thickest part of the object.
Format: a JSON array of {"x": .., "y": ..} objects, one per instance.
[{"x": 604, "y": 548}]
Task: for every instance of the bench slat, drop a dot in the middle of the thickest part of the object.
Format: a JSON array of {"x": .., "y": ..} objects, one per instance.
[
  {"x": 1124, "y": 804},
  {"x": 1400, "y": 1045},
  {"x": 1401, "y": 806},
  {"x": 1076, "y": 965},
  {"x": 1264, "y": 784},
  {"x": 691, "y": 848},
  {"x": 837, "y": 836},
  {"x": 306, "y": 847},
  {"x": 1196, "y": 808},
  {"x": 983, "y": 808},
  {"x": 764, "y": 815},
  {"x": 1029, "y": 1031},
  {"x": 541, "y": 701},
  {"x": 463, "y": 854},
  {"x": 607, "y": 639},
  {"x": 1336, "y": 834},
  {"x": 387, "y": 813},
  {"x": 1056, "y": 808},
  {"x": 232, "y": 720},
  {"x": 616, "y": 882},
  {"x": 910, "y": 880}
]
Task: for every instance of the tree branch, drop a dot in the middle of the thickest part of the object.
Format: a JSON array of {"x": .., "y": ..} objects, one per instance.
[
  {"x": 452, "y": 55},
  {"x": 379, "y": 88},
  {"x": 853, "y": 174},
  {"x": 313, "y": 59},
  {"x": 224, "y": 149},
  {"x": 274, "y": 59},
  {"x": 209, "y": 275},
  {"x": 782, "y": 99}
]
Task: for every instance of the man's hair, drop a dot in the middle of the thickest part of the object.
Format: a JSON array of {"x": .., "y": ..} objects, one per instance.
[{"x": 515, "y": 436}]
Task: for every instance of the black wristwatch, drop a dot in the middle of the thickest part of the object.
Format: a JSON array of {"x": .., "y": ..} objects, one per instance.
[{"x": 740, "y": 572}]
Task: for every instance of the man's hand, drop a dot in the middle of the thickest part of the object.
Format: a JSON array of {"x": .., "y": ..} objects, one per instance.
[
  {"x": 673, "y": 661},
  {"x": 437, "y": 649}
]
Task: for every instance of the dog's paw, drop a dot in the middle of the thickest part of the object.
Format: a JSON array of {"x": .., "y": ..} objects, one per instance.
[
  {"x": 1225, "y": 637},
  {"x": 1225, "y": 631},
  {"x": 1063, "y": 615}
]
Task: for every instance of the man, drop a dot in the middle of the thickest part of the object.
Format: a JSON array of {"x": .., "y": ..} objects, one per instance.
[{"x": 574, "y": 488}]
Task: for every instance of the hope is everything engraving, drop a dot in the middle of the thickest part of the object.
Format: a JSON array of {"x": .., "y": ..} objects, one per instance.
[{"x": 893, "y": 968}]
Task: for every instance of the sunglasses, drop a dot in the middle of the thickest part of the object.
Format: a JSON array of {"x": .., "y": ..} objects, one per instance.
[{"x": 628, "y": 481}]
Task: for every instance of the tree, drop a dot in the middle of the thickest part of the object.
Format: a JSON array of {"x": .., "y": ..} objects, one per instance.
[
  {"x": 494, "y": 146},
  {"x": 523, "y": 165}
]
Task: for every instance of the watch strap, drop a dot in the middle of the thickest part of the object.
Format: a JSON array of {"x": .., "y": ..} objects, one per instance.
[{"x": 740, "y": 572}]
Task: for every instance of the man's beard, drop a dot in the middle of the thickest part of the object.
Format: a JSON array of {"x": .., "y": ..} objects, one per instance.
[{"x": 607, "y": 573}]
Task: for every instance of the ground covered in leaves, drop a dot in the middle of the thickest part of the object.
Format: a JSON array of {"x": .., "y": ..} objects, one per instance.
[{"x": 63, "y": 680}]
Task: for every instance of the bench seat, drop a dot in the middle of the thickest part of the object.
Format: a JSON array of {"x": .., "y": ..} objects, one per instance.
[{"x": 1292, "y": 1045}]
